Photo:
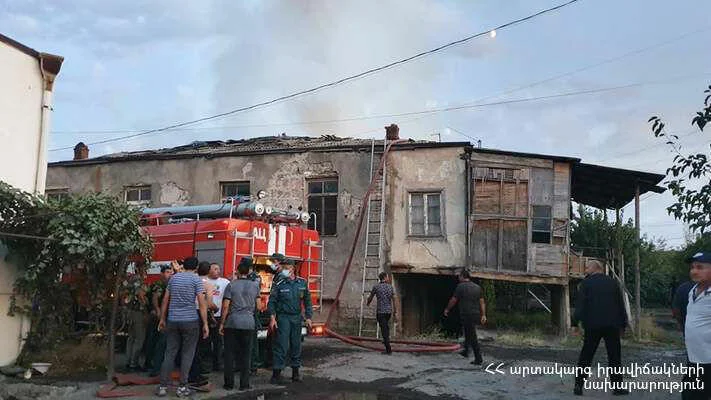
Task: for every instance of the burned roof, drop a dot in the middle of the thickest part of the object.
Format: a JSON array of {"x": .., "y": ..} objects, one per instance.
[
  {"x": 610, "y": 188},
  {"x": 253, "y": 146}
]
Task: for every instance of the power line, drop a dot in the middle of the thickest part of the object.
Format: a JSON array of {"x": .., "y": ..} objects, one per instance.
[
  {"x": 693, "y": 150},
  {"x": 603, "y": 62},
  {"x": 342, "y": 80},
  {"x": 452, "y": 108},
  {"x": 685, "y": 134},
  {"x": 516, "y": 89}
]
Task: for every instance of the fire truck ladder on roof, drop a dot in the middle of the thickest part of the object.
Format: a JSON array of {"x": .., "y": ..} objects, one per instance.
[{"x": 372, "y": 262}]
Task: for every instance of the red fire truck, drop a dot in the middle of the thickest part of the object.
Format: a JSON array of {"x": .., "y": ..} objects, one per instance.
[{"x": 239, "y": 227}]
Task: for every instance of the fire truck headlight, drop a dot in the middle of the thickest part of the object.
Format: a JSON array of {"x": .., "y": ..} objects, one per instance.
[
  {"x": 268, "y": 210},
  {"x": 259, "y": 208},
  {"x": 261, "y": 194},
  {"x": 305, "y": 217}
]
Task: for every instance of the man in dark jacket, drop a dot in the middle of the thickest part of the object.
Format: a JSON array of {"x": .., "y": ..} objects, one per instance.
[
  {"x": 600, "y": 307},
  {"x": 472, "y": 310}
]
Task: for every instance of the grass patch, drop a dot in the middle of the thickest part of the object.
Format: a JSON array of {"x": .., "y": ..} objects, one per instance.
[
  {"x": 655, "y": 335},
  {"x": 73, "y": 358},
  {"x": 520, "y": 321},
  {"x": 434, "y": 334}
]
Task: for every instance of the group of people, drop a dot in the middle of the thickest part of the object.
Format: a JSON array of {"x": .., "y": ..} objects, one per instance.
[
  {"x": 195, "y": 313},
  {"x": 600, "y": 308},
  {"x": 204, "y": 322}
]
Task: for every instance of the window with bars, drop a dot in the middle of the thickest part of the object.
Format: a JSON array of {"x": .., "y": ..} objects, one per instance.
[
  {"x": 323, "y": 201},
  {"x": 138, "y": 195},
  {"x": 541, "y": 229},
  {"x": 232, "y": 189},
  {"x": 425, "y": 216}
]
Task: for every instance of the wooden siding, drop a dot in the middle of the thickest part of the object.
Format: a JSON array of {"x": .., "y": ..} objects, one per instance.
[{"x": 504, "y": 188}]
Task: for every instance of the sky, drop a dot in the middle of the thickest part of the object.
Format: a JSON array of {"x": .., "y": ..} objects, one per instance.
[{"x": 132, "y": 66}]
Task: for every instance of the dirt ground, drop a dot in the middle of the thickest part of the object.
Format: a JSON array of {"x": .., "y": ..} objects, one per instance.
[{"x": 334, "y": 370}]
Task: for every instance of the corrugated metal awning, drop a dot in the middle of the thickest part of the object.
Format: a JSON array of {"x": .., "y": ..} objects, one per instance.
[{"x": 610, "y": 188}]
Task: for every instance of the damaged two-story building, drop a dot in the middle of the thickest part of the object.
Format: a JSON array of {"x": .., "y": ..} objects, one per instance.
[{"x": 441, "y": 207}]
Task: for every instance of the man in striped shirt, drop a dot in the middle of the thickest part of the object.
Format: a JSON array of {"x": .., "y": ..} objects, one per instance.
[
  {"x": 384, "y": 293},
  {"x": 182, "y": 324}
]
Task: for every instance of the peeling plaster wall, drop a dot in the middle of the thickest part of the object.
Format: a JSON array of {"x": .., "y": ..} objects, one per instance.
[
  {"x": 426, "y": 170},
  {"x": 173, "y": 195},
  {"x": 283, "y": 176}
]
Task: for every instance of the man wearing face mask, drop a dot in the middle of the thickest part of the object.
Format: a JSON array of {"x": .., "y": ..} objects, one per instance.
[
  {"x": 285, "y": 300},
  {"x": 277, "y": 260}
]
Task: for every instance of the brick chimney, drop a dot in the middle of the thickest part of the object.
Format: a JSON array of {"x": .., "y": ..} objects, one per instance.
[
  {"x": 392, "y": 132},
  {"x": 81, "y": 151}
]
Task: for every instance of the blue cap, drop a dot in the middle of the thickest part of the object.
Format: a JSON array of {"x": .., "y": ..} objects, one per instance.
[{"x": 701, "y": 257}]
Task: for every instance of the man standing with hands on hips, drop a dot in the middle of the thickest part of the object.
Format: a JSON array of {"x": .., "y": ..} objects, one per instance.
[{"x": 287, "y": 296}]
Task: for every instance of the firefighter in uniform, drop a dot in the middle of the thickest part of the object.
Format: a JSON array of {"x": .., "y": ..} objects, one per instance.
[
  {"x": 277, "y": 260},
  {"x": 285, "y": 301},
  {"x": 256, "y": 360}
]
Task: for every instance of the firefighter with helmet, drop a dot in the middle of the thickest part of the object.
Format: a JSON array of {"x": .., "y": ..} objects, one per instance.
[{"x": 285, "y": 301}]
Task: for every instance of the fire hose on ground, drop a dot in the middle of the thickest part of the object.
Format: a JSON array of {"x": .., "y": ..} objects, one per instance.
[{"x": 405, "y": 346}]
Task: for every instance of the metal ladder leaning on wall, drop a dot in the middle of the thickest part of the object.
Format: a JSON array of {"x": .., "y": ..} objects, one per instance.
[{"x": 373, "y": 254}]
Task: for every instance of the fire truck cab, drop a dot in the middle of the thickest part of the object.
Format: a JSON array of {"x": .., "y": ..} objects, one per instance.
[{"x": 225, "y": 233}]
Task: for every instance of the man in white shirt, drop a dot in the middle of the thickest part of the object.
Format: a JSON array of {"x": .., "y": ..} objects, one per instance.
[
  {"x": 218, "y": 284},
  {"x": 698, "y": 327}
]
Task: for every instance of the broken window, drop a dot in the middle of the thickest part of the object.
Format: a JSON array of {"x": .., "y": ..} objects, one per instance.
[
  {"x": 232, "y": 189},
  {"x": 541, "y": 232},
  {"x": 138, "y": 195},
  {"x": 323, "y": 201},
  {"x": 56, "y": 194},
  {"x": 425, "y": 214}
]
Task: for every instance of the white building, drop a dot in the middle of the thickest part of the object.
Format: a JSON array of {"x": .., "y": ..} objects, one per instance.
[{"x": 26, "y": 82}]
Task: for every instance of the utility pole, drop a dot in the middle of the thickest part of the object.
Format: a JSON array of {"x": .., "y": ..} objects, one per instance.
[{"x": 637, "y": 300}]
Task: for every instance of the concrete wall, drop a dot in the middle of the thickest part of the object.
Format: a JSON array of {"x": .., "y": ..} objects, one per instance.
[
  {"x": 283, "y": 176},
  {"x": 436, "y": 170},
  {"x": 21, "y": 88},
  {"x": 20, "y": 118}
]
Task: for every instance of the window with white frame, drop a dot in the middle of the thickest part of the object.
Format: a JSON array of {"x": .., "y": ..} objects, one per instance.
[
  {"x": 56, "y": 194},
  {"x": 425, "y": 216},
  {"x": 138, "y": 195}
]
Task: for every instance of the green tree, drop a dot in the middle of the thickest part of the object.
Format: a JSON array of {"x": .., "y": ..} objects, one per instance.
[
  {"x": 594, "y": 235},
  {"x": 88, "y": 238},
  {"x": 690, "y": 181}
]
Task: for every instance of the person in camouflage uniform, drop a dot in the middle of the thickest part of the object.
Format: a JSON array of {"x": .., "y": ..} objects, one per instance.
[
  {"x": 156, "y": 348},
  {"x": 136, "y": 307}
]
